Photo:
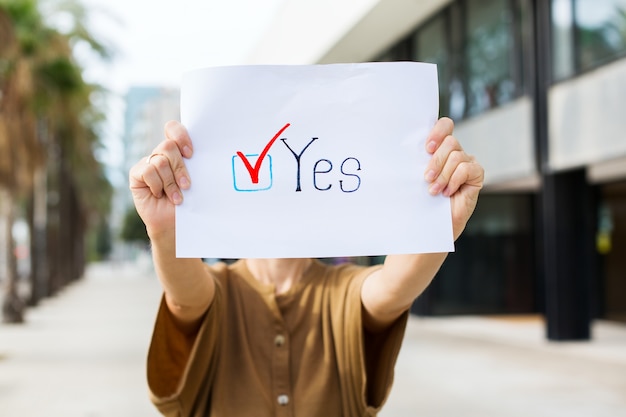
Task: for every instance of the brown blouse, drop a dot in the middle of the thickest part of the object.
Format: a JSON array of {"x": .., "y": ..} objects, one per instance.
[{"x": 303, "y": 353}]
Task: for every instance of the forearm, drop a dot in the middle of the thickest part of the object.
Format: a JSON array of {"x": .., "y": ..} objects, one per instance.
[
  {"x": 392, "y": 290},
  {"x": 189, "y": 288},
  {"x": 407, "y": 276},
  {"x": 453, "y": 173}
]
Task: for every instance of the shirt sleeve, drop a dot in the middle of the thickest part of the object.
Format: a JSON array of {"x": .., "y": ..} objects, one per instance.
[
  {"x": 181, "y": 367},
  {"x": 366, "y": 360}
]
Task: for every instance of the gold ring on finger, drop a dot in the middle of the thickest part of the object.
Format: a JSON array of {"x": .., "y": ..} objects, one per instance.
[{"x": 151, "y": 156}]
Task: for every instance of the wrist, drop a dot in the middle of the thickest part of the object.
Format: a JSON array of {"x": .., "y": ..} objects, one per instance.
[{"x": 161, "y": 236}]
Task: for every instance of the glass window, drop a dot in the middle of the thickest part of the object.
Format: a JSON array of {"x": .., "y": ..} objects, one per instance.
[
  {"x": 492, "y": 270},
  {"x": 525, "y": 30},
  {"x": 600, "y": 31},
  {"x": 490, "y": 54},
  {"x": 611, "y": 245},
  {"x": 398, "y": 52},
  {"x": 562, "y": 39},
  {"x": 430, "y": 44}
]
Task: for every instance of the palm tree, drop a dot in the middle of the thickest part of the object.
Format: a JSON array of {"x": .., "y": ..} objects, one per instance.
[
  {"x": 18, "y": 146},
  {"x": 48, "y": 139},
  {"x": 73, "y": 173}
]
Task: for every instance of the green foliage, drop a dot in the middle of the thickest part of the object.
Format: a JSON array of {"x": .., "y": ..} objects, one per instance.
[
  {"x": 133, "y": 228},
  {"x": 61, "y": 73},
  {"x": 100, "y": 242},
  {"x": 28, "y": 22},
  {"x": 50, "y": 126}
]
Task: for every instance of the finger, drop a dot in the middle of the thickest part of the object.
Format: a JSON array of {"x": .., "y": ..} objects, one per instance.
[
  {"x": 145, "y": 177},
  {"x": 438, "y": 161},
  {"x": 170, "y": 151},
  {"x": 153, "y": 181},
  {"x": 160, "y": 163},
  {"x": 468, "y": 173},
  {"x": 176, "y": 132},
  {"x": 442, "y": 182},
  {"x": 442, "y": 129}
]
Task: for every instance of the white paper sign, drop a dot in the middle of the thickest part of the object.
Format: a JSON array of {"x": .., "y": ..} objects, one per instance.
[{"x": 310, "y": 161}]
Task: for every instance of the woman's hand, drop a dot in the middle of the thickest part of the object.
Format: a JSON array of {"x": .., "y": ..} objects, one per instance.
[
  {"x": 453, "y": 173},
  {"x": 157, "y": 181}
]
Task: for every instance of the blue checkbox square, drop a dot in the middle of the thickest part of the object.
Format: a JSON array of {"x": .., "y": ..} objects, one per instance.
[{"x": 242, "y": 180}]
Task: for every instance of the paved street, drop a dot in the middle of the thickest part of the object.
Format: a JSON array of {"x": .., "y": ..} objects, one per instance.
[
  {"x": 477, "y": 367},
  {"x": 82, "y": 354}
]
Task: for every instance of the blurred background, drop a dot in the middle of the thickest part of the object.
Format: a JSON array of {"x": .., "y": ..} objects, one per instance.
[{"x": 537, "y": 89}]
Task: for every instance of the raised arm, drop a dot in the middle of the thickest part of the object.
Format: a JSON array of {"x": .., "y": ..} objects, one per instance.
[
  {"x": 156, "y": 183},
  {"x": 390, "y": 291}
]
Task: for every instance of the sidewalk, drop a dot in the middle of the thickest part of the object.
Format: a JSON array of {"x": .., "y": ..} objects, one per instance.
[
  {"x": 82, "y": 354},
  {"x": 505, "y": 367}
]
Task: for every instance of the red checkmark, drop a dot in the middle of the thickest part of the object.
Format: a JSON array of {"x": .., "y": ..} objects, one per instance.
[{"x": 254, "y": 170}]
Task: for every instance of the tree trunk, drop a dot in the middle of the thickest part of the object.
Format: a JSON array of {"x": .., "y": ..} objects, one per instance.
[
  {"x": 67, "y": 223},
  {"x": 53, "y": 223},
  {"x": 38, "y": 214},
  {"x": 12, "y": 305}
]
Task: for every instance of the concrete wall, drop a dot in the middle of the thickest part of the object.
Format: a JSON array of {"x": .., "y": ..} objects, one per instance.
[
  {"x": 385, "y": 24},
  {"x": 587, "y": 119},
  {"x": 502, "y": 140},
  {"x": 327, "y": 31},
  {"x": 303, "y": 30}
]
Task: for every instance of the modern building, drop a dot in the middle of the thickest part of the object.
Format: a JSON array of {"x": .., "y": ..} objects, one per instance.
[
  {"x": 147, "y": 109},
  {"x": 537, "y": 89}
]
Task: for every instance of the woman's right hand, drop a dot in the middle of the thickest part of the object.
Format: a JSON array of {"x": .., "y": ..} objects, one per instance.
[{"x": 157, "y": 181}]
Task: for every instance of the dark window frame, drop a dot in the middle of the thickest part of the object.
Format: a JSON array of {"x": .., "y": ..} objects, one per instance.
[
  {"x": 576, "y": 45},
  {"x": 455, "y": 18}
]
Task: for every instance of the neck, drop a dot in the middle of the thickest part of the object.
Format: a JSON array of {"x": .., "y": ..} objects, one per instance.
[{"x": 281, "y": 273}]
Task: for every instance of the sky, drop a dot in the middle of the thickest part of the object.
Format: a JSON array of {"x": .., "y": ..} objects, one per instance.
[{"x": 155, "y": 42}]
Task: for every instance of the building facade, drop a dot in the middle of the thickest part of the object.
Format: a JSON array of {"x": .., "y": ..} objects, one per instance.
[
  {"x": 147, "y": 109},
  {"x": 537, "y": 89}
]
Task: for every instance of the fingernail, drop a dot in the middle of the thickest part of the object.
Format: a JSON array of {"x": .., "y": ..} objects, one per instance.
[
  {"x": 430, "y": 176},
  {"x": 431, "y": 147},
  {"x": 434, "y": 188},
  {"x": 187, "y": 152},
  {"x": 176, "y": 198},
  {"x": 183, "y": 182}
]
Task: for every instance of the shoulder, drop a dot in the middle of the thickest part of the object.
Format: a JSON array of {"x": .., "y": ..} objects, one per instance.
[{"x": 353, "y": 271}]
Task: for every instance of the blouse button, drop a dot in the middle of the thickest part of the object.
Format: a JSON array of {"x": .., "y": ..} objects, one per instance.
[
  {"x": 283, "y": 399},
  {"x": 279, "y": 340}
]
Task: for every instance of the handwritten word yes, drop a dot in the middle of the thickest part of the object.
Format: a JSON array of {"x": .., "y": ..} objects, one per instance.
[{"x": 325, "y": 166}]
